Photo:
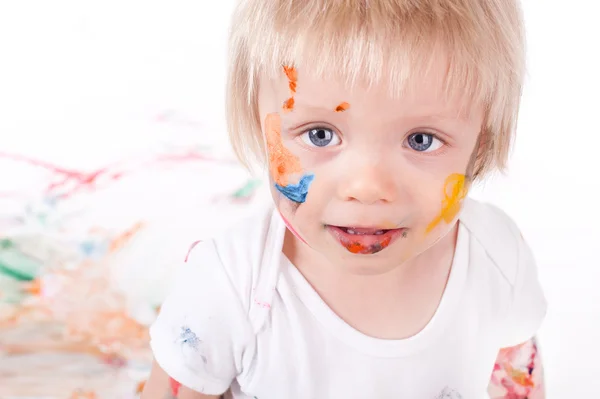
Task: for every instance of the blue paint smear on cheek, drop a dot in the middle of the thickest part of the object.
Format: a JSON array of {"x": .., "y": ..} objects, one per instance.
[{"x": 297, "y": 192}]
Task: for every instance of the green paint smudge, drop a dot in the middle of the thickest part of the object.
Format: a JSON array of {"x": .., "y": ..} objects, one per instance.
[{"x": 247, "y": 190}]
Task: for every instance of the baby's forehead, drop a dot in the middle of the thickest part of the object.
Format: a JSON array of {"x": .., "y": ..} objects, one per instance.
[{"x": 423, "y": 95}]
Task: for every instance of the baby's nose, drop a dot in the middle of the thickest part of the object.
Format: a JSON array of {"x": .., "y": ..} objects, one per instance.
[{"x": 368, "y": 182}]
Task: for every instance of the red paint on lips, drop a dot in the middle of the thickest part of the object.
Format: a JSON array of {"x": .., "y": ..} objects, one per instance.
[{"x": 365, "y": 240}]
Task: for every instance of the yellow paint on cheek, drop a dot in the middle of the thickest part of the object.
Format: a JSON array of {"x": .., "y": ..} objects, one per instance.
[
  {"x": 455, "y": 190},
  {"x": 281, "y": 161}
]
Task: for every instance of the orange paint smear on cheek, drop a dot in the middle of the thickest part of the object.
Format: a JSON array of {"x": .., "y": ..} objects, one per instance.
[
  {"x": 342, "y": 107},
  {"x": 281, "y": 161},
  {"x": 455, "y": 190}
]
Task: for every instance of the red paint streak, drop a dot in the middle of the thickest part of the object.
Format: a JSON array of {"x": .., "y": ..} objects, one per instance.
[
  {"x": 174, "y": 387},
  {"x": 81, "y": 179},
  {"x": 290, "y": 228},
  {"x": 190, "y": 250}
]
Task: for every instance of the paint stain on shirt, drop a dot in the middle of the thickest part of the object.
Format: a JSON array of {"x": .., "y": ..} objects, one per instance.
[{"x": 189, "y": 338}]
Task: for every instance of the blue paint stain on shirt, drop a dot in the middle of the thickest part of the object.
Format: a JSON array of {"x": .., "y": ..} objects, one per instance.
[
  {"x": 297, "y": 192},
  {"x": 189, "y": 338}
]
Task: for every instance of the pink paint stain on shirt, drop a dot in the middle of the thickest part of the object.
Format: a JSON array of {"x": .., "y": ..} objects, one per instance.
[
  {"x": 264, "y": 305},
  {"x": 190, "y": 250}
]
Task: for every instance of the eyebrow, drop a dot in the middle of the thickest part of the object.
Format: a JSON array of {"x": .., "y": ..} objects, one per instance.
[{"x": 433, "y": 117}]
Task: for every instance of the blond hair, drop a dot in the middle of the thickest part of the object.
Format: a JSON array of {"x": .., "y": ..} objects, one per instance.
[{"x": 372, "y": 40}]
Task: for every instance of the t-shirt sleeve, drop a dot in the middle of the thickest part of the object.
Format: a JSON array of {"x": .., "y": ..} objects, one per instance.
[
  {"x": 202, "y": 331},
  {"x": 528, "y": 303}
]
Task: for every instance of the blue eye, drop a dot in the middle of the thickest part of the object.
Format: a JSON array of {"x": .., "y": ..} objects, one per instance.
[
  {"x": 320, "y": 137},
  {"x": 424, "y": 142}
]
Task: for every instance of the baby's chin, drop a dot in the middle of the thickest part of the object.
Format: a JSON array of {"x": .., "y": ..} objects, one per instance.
[
  {"x": 405, "y": 250},
  {"x": 367, "y": 265}
]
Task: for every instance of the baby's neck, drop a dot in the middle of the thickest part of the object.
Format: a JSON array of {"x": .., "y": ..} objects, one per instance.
[{"x": 393, "y": 305}]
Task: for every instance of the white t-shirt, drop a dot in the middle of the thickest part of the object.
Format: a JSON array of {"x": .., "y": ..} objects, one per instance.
[{"x": 241, "y": 316}]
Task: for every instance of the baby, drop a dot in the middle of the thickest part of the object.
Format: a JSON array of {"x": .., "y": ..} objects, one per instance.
[{"x": 372, "y": 274}]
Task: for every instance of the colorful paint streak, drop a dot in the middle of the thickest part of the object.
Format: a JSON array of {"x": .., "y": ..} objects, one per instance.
[
  {"x": 342, "y": 107},
  {"x": 69, "y": 182},
  {"x": 281, "y": 161},
  {"x": 455, "y": 190},
  {"x": 297, "y": 192},
  {"x": 358, "y": 248},
  {"x": 518, "y": 373}
]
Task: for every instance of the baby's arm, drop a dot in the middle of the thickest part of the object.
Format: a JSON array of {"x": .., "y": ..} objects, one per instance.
[
  {"x": 161, "y": 386},
  {"x": 202, "y": 332},
  {"x": 518, "y": 373}
]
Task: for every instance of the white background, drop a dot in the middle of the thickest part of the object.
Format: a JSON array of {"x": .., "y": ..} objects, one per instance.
[{"x": 82, "y": 83}]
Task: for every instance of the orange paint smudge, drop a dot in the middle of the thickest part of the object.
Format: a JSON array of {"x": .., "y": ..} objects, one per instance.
[
  {"x": 34, "y": 287},
  {"x": 519, "y": 377},
  {"x": 342, "y": 107},
  {"x": 455, "y": 190},
  {"x": 288, "y": 104},
  {"x": 122, "y": 239},
  {"x": 140, "y": 387},
  {"x": 281, "y": 161},
  {"x": 291, "y": 73},
  {"x": 79, "y": 394},
  {"x": 293, "y": 86},
  {"x": 292, "y": 76}
]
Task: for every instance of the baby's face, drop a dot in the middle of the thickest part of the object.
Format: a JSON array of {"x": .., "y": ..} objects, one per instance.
[{"x": 364, "y": 179}]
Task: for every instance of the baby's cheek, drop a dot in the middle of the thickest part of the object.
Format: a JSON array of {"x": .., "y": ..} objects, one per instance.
[{"x": 453, "y": 192}]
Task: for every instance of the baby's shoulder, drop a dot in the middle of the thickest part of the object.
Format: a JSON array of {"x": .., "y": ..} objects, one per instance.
[
  {"x": 496, "y": 233},
  {"x": 248, "y": 252}
]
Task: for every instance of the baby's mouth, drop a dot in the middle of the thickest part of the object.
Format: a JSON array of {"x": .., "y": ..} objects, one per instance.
[
  {"x": 360, "y": 231},
  {"x": 364, "y": 240}
]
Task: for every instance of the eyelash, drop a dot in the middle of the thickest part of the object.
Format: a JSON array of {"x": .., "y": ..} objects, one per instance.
[
  {"x": 435, "y": 136},
  {"x": 444, "y": 143}
]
